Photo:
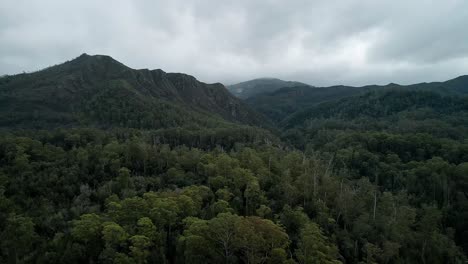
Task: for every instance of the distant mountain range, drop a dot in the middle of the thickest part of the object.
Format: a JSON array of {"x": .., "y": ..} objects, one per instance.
[
  {"x": 282, "y": 102},
  {"x": 258, "y": 86},
  {"x": 99, "y": 91}
]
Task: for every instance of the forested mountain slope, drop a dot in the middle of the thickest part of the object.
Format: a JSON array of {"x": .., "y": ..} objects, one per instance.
[
  {"x": 100, "y": 91},
  {"x": 100, "y": 163},
  {"x": 281, "y": 103},
  {"x": 410, "y": 141},
  {"x": 286, "y": 101},
  {"x": 385, "y": 104}
]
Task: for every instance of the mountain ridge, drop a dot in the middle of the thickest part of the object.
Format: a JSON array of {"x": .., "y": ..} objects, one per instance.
[
  {"x": 285, "y": 101},
  {"x": 247, "y": 89},
  {"x": 75, "y": 89}
]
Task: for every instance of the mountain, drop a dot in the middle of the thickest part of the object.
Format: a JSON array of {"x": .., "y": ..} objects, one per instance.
[
  {"x": 284, "y": 102},
  {"x": 100, "y": 91},
  {"x": 387, "y": 104},
  {"x": 456, "y": 86},
  {"x": 143, "y": 166},
  {"x": 257, "y": 86}
]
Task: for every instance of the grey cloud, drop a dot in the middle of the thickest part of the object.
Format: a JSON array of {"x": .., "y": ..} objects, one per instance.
[{"x": 323, "y": 42}]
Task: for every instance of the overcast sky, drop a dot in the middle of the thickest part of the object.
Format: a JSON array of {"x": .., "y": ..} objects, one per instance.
[{"x": 322, "y": 42}]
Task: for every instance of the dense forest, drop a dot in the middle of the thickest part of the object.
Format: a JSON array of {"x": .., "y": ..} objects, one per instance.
[{"x": 100, "y": 163}]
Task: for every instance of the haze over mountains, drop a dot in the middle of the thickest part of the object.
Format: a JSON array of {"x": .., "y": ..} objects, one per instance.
[{"x": 261, "y": 85}]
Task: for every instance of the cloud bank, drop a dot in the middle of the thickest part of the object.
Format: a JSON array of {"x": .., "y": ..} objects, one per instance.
[{"x": 321, "y": 42}]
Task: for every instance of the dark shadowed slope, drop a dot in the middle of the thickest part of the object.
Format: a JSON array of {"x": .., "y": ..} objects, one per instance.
[
  {"x": 286, "y": 101},
  {"x": 390, "y": 104}
]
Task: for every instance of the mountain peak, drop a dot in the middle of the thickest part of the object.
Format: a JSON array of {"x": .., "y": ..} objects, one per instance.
[
  {"x": 88, "y": 84},
  {"x": 266, "y": 79},
  {"x": 97, "y": 58},
  {"x": 91, "y": 64}
]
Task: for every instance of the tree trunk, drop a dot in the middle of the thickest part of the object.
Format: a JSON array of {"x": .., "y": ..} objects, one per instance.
[
  {"x": 423, "y": 252},
  {"x": 375, "y": 203}
]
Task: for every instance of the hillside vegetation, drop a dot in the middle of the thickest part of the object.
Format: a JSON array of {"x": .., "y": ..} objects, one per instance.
[{"x": 101, "y": 163}]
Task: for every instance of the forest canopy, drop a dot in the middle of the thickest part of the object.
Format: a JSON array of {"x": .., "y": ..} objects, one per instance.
[{"x": 138, "y": 172}]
